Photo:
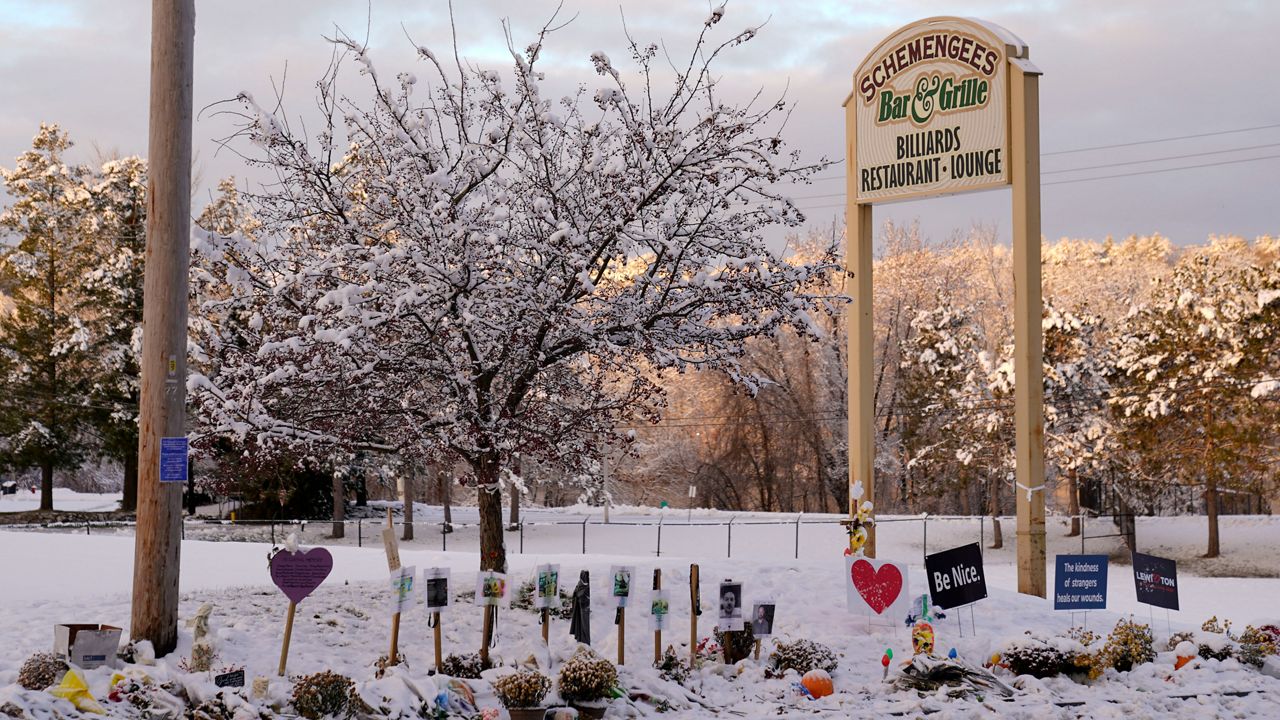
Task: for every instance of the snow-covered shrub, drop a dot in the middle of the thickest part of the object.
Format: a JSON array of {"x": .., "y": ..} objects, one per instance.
[
  {"x": 322, "y": 694},
  {"x": 671, "y": 667},
  {"x": 1178, "y": 638},
  {"x": 523, "y": 689},
  {"x": 467, "y": 666},
  {"x": 215, "y": 708},
  {"x": 737, "y": 644},
  {"x": 1130, "y": 643},
  {"x": 801, "y": 656},
  {"x": 586, "y": 677},
  {"x": 40, "y": 671},
  {"x": 1215, "y": 646},
  {"x": 1037, "y": 656}
]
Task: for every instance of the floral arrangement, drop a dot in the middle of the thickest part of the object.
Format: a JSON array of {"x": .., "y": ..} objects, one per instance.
[
  {"x": 801, "y": 656},
  {"x": 522, "y": 689},
  {"x": 586, "y": 677},
  {"x": 322, "y": 694}
]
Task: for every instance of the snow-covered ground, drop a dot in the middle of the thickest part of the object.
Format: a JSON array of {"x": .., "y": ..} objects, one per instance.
[
  {"x": 63, "y": 499},
  {"x": 53, "y": 578}
]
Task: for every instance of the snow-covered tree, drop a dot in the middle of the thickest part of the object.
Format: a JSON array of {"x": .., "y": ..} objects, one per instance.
[
  {"x": 1198, "y": 368},
  {"x": 46, "y": 365},
  {"x": 119, "y": 220},
  {"x": 467, "y": 268}
]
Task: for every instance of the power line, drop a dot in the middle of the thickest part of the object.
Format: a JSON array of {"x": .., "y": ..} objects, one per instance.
[
  {"x": 1161, "y": 159},
  {"x": 1109, "y": 177}
]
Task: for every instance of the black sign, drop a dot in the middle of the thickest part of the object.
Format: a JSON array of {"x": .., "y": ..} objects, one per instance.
[
  {"x": 231, "y": 679},
  {"x": 955, "y": 576},
  {"x": 1156, "y": 580}
]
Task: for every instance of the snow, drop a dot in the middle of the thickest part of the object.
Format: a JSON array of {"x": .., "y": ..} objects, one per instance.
[
  {"x": 63, "y": 499},
  {"x": 344, "y": 626}
]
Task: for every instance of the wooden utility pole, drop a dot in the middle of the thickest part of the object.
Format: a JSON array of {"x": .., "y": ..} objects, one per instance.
[
  {"x": 1028, "y": 334},
  {"x": 162, "y": 405}
]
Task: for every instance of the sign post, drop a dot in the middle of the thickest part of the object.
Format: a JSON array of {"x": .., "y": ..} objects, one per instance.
[
  {"x": 392, "y": 546},
  {"x": 949, "y": 105}
]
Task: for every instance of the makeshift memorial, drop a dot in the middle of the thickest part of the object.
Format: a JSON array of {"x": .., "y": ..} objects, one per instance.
[{"x": 297, "y": 574}]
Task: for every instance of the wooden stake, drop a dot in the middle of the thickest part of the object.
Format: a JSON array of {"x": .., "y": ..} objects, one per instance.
[
  {"x": 393, "y": 561},
  {"x": 486, "y": 635},
  {"x": 162, "y": 402},
  {"x": 546, "y": 626},
  {"x": 622, "y": 635},
  {"x": 657, "y": 633},
  {"x": 757, "y": 650},
  {"x": 288, "y": 635},
  {"x": 695, "y": 607},
  {"x": 436, "y": 633}
]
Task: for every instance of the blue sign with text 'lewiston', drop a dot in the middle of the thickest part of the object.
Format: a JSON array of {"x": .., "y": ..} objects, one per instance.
[{"x": 1080, "y": 582}]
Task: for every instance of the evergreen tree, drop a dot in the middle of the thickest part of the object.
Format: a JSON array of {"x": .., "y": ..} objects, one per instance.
[
  {"x": 46, "y": 354},
  {"x": 115, "y": 285}
]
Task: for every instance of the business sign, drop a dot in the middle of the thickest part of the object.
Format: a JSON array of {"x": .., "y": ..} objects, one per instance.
[
  {"x": 932, "y": 112},
  {"x": 173, "y": 459},
  {"x": 1080, "y": 582},
  {"x": 1156, "y": 580},
  {"x": 955, "y": 576}
]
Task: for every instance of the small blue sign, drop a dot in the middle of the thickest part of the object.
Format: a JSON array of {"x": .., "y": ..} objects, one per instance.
[
  {"x": 1080, "y": 582},
  {"x": 173, "y": 459}
]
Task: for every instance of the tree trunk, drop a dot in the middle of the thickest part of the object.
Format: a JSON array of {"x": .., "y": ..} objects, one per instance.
[
  {"x": 493, "y": 553},
  {"x": 997, "y": 535},
  {"x": 339, "y": 508},
  {"x": 1073, "y": 502},
  {"x": 1211, "y": 509},
  {"x": 46, "y": 485},
  {"x": 129, "y": 502},
  {"x": 513, "y": 520},
  {"x": 446, "y": 495},
  {"x": 410, "y": 492}
]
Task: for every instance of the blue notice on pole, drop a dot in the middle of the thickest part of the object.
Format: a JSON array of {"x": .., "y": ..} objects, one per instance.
[
  {"x": 173, "y": 459},
  {"x": 1080, "y": 583}
]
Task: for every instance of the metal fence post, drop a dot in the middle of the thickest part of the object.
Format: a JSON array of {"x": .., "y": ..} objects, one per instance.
[
  {"x": 584, "y": 535},
  {"x": 982, "y": 531},
  {"x": 660, "y": 519},
  {"x": 273, "y": 532},
  {"x": 444, "y": 537},
  {"x": 1082, "y": 517},
  {"x": 359, "y": 533},
  {"x": 729, "y": 549},
  {"x": 86, "y": 527},
  {"x": 521, "y": 537},
  {"x": 798, "y": 535},
  {"x": 925, "y": 520}
]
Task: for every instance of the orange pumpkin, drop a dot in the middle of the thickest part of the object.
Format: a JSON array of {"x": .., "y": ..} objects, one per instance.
[{"x": 818, "y": 683}]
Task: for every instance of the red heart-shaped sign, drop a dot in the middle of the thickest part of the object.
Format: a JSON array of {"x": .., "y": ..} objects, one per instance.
[
  {"x": 879, "y": 588},
  {"x": 297, "y": 574}
]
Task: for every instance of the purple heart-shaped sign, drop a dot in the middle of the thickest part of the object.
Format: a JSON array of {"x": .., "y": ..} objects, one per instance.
[{"x": 298, "y": 574}]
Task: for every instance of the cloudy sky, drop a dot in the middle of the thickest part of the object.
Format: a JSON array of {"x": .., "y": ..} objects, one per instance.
[{"x": 1115, "y": 72}]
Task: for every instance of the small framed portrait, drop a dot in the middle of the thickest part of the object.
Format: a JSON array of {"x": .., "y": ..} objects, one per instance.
[
  {"x": 436, "y": 583},
  {"x": 491, "y": 588},
  {"x": 547, "y": 587},
  {"x": 762, "y": 618},
  {"x": 730, "y": 606},
  {"x": 620, "y": 577}
]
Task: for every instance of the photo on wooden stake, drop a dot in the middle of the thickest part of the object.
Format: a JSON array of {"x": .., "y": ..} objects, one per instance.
[
  {"x": 659, "y": 610},
  {"x": 547, "y": 587},
  {"x": 491, "y": 588},
  {"x": 403, "y": 595},
  {"x": 762, "y": 618},
  {"x": 730, "y": 606},
  {"x": 620, "y": 583},
  {"x": 436, "y": 582}
]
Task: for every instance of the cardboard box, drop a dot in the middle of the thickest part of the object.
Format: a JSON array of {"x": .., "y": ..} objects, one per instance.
[{"x": 87, "y": 646}]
